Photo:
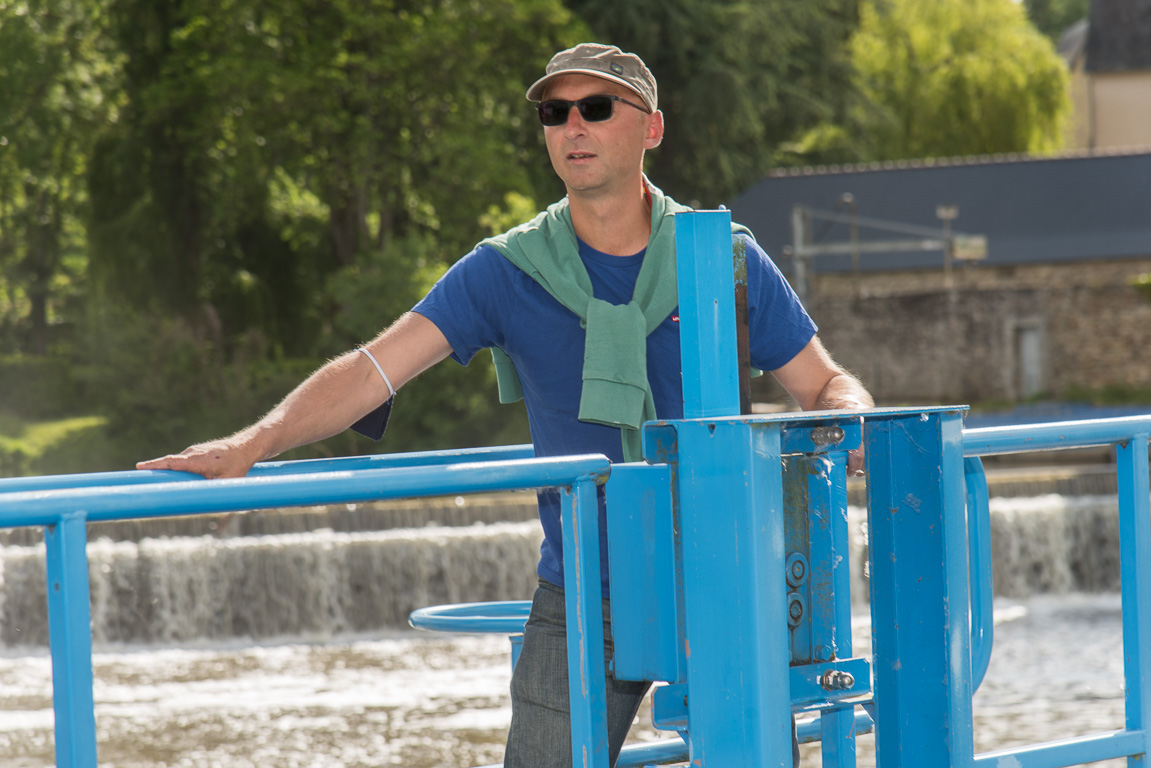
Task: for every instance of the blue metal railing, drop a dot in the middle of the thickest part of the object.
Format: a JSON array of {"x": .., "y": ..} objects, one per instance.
[
  {"x": 269, "y": 469},
  {"x": 1130, "y": 438},
  {"x": 64, "y": 506}
]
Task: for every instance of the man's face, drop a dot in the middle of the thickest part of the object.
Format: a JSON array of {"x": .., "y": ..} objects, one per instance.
[{"x": 599, "y": 157}]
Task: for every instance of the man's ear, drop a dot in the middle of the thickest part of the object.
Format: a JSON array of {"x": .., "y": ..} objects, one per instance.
[{"x": 654, "y": 136}]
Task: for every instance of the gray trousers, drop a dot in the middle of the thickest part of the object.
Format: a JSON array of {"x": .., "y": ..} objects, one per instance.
[{"x": 540, "y": 735}]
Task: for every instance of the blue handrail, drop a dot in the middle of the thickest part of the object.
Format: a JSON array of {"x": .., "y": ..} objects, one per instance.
[
  {"x": 271, "y": 468},
  {"x": 1129, "y": 436},
  {"x": 989, "y": 441},
  {"x": 979, "y": 559},
  {"x": 189, "y": 496},
  {"x": 1025, "y": 438},
  {"x": 66, "y": 508}
]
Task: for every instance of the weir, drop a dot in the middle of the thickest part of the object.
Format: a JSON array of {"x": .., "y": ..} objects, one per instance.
[{"x": 729, "y": 557}]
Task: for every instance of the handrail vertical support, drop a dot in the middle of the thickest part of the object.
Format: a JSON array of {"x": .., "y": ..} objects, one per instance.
[
  {"x": 919, "y": 590},
  {"x": 70, "y": 635},
  {"x": 1135, "y": 575},
  {"x": 734, "y": 594},
  {"x": 830, "y": 578},
  {"x": 587, "y": 684},
  {"x": 707, "y": 326}
]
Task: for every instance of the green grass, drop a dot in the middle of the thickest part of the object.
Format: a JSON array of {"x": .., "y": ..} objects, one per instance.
[{"x": 50, "y": 447}]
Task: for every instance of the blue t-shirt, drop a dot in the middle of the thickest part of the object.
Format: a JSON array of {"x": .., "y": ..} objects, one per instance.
[{"x": 484, "y": 300}]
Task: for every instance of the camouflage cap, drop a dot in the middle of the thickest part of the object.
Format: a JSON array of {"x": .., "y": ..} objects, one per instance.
[{"x": 604, "y": 61}]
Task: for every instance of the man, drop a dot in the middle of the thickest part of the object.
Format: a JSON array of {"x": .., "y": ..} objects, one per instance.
[{"x": 571, "y": 278}]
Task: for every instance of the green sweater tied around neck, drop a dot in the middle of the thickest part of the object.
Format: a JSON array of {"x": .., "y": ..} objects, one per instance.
[{"x": 616, "y": 391}]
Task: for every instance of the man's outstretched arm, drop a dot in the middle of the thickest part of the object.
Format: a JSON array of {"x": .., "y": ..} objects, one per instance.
[{"x": 326, "y": 403}]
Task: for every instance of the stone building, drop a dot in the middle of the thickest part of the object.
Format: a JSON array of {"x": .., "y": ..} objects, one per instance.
[
  {"x": 1108, "y": 55},
  {"x": 1058, "y": 307}
]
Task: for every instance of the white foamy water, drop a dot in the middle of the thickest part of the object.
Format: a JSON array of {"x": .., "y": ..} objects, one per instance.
[
  {"x": 319, "y": 583},
  {"x": 422, "y": 700}
]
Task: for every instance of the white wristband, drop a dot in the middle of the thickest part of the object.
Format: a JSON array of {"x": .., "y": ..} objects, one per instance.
[{"x": 384, "y": 376}]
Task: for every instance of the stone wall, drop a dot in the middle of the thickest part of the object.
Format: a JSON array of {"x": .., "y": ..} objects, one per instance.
[{"x": 1002, "y": 333}]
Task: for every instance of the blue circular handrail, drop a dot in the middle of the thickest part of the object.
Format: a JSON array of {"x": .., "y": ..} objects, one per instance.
[{"x": 505, "y": 617}]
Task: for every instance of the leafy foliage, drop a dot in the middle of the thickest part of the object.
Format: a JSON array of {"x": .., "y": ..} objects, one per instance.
[
  {"x": 376, "y": 112},
  {"x": 56, "y": 74},
  {"x": 955, "y": 77}
]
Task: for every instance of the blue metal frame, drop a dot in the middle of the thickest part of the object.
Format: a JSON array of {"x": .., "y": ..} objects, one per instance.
[
  {"x": 735, "y": 525},
  {"x": 64, "y": 512},
  {"x": 1129, "y": 436}
]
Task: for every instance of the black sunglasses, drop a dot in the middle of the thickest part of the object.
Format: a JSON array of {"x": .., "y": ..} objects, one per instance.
[{"x": 593, "y": 109}]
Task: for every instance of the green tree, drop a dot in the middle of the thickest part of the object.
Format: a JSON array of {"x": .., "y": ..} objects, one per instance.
[
  {"x": 369, "y": 119},
  {"x": 286, "y": 178},
  {"x": 56, "y": 75},
  {"x": 737, "y": 81},
  {"x": 955, "y": 77}
]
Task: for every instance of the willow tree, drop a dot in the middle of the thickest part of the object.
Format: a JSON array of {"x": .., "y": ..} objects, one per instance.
[{"x": 955, "y": 77}]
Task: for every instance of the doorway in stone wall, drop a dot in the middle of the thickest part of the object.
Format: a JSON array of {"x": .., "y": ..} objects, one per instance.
[{"x": 1030, "y": 363}]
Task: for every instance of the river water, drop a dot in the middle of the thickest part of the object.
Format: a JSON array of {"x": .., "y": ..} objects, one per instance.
[{"x": 392, "y": 697}]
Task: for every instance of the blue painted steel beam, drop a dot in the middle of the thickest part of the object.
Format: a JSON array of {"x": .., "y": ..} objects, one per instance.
[
  {"x": 1024, "y": 438},
  {"x": 269, "y": 468},
  {"x": 642, "y": 561},
  {"x": 919, "y": 590},
  {"x": 65, "y": 513},
  {"x": 734, "y": 593},
  {"x": 706, "y": 282},
  {"x": 587, "y": 682},
  {"x": 197, "y": 497},
  {"x": 1135, "y": 577},
  {"x": 70, "y": 639},
  {"x": 662, "y": 752},
  {"x": 1056, "y": 754},
  {"x": 980, "y": 569},
  {"x": 830, "y": 589},
  {"x": 502, "y": 618},
  {"x": 811, "y": 731}
]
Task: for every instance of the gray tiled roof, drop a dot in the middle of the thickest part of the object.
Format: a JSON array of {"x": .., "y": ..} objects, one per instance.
[
  {"x": 1032, "y": 210},
  {"x": 1119, "y": 36}
]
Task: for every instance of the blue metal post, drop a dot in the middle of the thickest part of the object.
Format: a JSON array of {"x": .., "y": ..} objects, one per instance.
[
  {"x": 642, "y": 559},
  {"x": 979, "y": 553},
  {"x": 831, "y": 592},
  {"x": 583, "y": 595},
  {"x": 734, "y": 594},
  {"x": 1135, "y": 574},
  {"x": 919, "y": 590},
  {"x": 70, "y": 636},
  {"x": 706, "y": 280}
]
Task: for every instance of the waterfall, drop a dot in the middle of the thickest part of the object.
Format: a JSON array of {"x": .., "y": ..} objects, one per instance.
[
  {"x": 1055, "y": 544},
  {"x": 1048, "y": 544},
  {"x": 321, "y": 583}
]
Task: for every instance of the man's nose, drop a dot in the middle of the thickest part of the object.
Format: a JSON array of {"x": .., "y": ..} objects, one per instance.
[{"x": 575, "y": 124}]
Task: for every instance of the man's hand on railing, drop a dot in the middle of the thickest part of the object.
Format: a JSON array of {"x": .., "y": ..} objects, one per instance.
[{"x": 230, "y": 457}]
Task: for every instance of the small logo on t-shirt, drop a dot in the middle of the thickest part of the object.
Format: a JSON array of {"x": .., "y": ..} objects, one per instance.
[{"x": 675, "y": 318}]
